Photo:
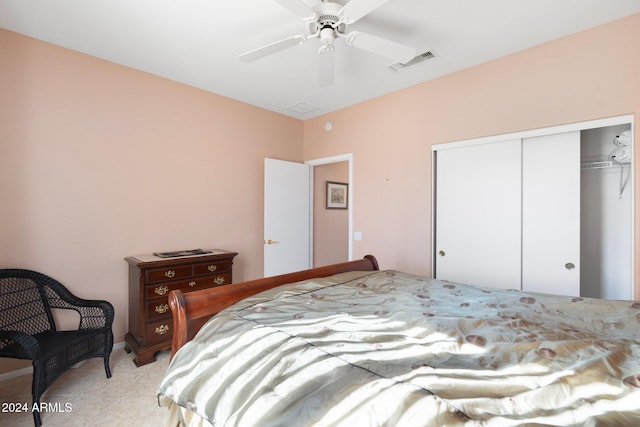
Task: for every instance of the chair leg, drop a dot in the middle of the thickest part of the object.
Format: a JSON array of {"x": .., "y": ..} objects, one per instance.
[
  {"x": 109, "y": 347},
  {"x": 37, "y": 384},
  {"x": 36, "y": 413},
  {"x": 107, "y": 369}
]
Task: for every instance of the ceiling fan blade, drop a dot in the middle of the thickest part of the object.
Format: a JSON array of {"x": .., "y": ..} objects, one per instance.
[
  {"x": 383, "y": 47},
  {"x": 271, "y": 48},
  {"x": 356, "y": 9},
  {"x": 299, "y": 7},
  {"x": 326, "y": 65}
]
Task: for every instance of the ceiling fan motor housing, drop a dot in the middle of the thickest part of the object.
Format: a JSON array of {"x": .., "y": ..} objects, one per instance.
[{"x": 327, "y": 22}]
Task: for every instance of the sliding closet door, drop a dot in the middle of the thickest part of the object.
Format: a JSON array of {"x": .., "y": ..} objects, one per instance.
[
  {"x": 478, "y": 214},
  {"x": 551, "y": 214}
]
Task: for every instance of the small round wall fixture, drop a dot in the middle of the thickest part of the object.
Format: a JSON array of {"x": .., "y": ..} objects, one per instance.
[{"x": 328, "y": 126}]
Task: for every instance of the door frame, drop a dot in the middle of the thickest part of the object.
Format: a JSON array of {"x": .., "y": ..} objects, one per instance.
[
  {"x": 578, "y": 126},
  {"x": 324, "y": 161}
]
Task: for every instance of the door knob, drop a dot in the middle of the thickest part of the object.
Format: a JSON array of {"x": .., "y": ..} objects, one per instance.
[
  {"x": 569, "y": 266},
  {"x": 271, "y": 242}
]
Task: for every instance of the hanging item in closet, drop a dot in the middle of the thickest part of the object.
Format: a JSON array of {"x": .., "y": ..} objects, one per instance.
[
  {"x": 623, "y": 140},
  {"x": 621, "y": 154},
  {"x": 622, "y": 157}
]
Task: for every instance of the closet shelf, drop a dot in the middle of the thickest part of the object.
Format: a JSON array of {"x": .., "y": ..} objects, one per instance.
[
  {"x": 610, "y": 164},
  {"x": 603, "y": 164}
]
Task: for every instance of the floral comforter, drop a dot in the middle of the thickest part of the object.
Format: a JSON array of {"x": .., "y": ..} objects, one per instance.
[{"x": 392, "y": 349}]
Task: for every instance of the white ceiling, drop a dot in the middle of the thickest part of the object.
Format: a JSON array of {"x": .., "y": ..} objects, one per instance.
[{"x": 196, "y": 42}]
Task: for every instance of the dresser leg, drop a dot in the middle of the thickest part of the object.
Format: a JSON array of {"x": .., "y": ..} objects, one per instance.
[
  {"x": 143, "y": 354},
  {"x": 144, "y": 357}
]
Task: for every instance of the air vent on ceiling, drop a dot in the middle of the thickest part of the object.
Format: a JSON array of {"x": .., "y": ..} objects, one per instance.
[
  {"x": 302, "y": 108},
  {"x": 424, "y": 56}
]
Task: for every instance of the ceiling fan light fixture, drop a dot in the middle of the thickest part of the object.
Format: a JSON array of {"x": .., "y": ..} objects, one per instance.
[{"x": 327, "y": 35}]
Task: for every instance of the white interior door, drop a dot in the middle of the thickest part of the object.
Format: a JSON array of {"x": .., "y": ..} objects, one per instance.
[
  {"x": 478, "y": 214},
  {"x": 286, "y": 217},
  {"x": 551, "y": 214}
]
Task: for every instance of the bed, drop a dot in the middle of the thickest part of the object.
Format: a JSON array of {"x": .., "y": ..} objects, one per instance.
[{"x": 352, "y": 345}]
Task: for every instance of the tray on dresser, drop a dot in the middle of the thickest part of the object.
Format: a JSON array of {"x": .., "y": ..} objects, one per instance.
[{"x": 175, "y": 254}]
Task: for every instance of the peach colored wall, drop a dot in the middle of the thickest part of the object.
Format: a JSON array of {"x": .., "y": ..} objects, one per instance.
[
  {"x": 330, "y": 226},
  {"x": 99, "y": 161},
  {"x": 588, "y": 75}
]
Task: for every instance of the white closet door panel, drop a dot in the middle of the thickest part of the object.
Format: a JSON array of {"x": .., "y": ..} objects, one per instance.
[
  {"x": 478, "y": 214},
  {"x": 551, "y": 214}
]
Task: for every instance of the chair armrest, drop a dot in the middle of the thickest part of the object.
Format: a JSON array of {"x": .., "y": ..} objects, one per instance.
[
  {"x": 94, "y": 314},
  {"x": 18, "y": 344}
]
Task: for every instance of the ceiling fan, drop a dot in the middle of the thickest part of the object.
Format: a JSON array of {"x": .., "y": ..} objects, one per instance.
[{"x": 328, "y": 21}]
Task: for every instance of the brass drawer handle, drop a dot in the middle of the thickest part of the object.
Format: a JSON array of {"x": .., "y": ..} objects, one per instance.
[
  {"x": 170, "y": 273},
  {"x": 218, "y": 280},
  {"x": 162, "y": 329},
  {"x": 161, "y": 290},
  {"x": 192, "y": 284},
  {"x": 212, "y": 268},
  {"x": 162, "y": 308}
]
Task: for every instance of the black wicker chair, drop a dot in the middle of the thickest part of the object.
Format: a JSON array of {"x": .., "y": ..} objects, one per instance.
[{"x": 28, "y": 329}]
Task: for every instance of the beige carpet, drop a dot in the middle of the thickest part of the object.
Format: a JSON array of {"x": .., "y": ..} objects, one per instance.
[{"x": 83, "y": 396}]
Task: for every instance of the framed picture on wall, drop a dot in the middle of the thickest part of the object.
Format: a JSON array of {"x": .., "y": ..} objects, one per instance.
[{"x": 337, "y": 195}]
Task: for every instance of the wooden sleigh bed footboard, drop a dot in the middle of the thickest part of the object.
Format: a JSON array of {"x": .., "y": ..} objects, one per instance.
[{"x": 191, "y": 310}]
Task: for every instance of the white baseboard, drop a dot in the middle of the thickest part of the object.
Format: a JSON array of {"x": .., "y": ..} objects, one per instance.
[
  {"x": 29, "y": 369},
  {"x": 16, "y": 373}
]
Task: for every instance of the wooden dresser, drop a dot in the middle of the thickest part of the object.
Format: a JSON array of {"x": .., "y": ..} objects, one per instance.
[{"x": 150, "y": 280}]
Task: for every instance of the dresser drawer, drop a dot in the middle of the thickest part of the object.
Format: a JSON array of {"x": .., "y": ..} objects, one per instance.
[
  {"x": 163, "y": 289},
  {"x": 211, "y": 267},
  {"x": 158, "y": 308},
  {"x": 215, "y": 280},
  {"x": 167, "y": 273},
  {"x": 160, "y": 331}
]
